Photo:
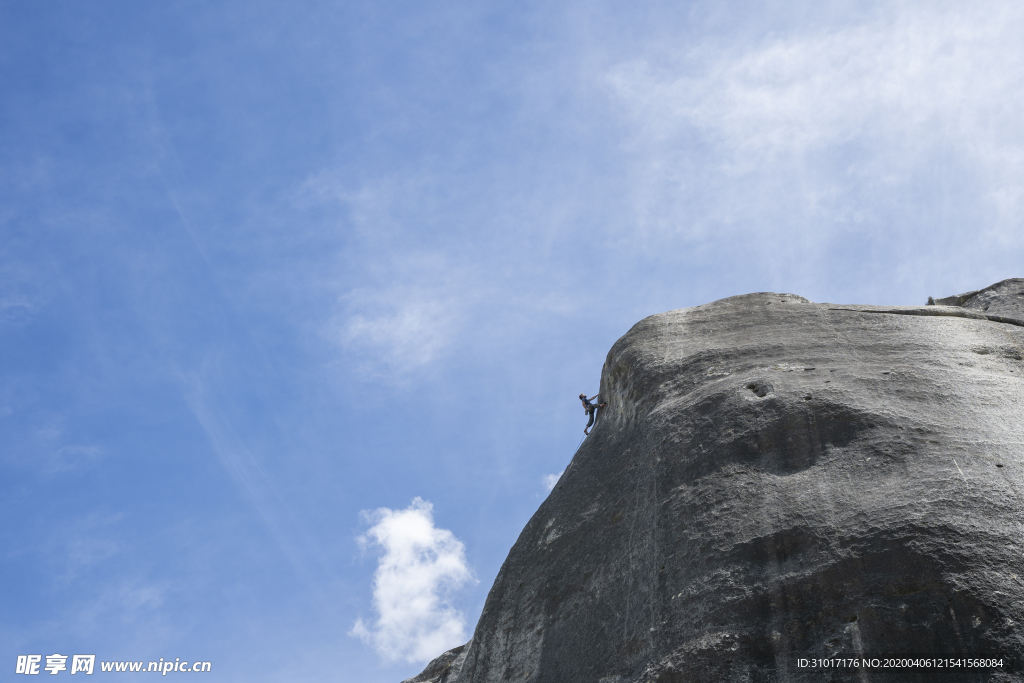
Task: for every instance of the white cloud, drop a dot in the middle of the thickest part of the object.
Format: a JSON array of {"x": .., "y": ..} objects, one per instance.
[
  {"x": 909, "y": 125},
  {"x": 921, "y": 73},
  {"x": 438, "y": 267},
  {"x": 551, "y": 479},
  {"x": 420, "y": 568},
  {"x": 411, "y": 299},
  {"x": 401, "y": 328}
]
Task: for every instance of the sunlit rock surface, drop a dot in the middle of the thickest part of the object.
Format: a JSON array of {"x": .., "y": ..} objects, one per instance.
[{"x": 775, "y": 479}]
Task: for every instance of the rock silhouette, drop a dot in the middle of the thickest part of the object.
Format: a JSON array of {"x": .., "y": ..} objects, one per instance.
[{"x": 775, "y": 479}]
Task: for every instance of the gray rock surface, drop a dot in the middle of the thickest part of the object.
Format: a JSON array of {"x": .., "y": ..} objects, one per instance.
[
  {"x": 1005, "y": 299},
  {"x": 775, "y": 479},
  {"x": 444, "y": 669}
]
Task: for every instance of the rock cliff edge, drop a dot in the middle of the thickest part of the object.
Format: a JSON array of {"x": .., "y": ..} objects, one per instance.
[{"x": 775, "y": 479}]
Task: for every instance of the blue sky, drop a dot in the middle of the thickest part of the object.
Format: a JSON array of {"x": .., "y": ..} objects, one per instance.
[{"x": 295, "y": 300}]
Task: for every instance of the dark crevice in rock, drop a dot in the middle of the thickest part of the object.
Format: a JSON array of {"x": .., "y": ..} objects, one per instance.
[
  {"x": 760, "y": 389},
  {"x": 945, "y": 311}
]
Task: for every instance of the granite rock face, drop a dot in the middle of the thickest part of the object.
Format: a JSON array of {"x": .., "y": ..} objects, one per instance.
[
  {"x": 444, "y": 669},
  {"x": 1003, "y": 299},
  {"x": 775, "y": 479}
]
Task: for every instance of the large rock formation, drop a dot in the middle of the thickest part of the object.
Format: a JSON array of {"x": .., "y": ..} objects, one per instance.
[{"x": 775, "y": 479}]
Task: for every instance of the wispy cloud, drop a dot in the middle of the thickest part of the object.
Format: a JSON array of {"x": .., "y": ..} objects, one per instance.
[
  {"x": 826, "y": 130},
  {"x": 124, "y": 599},
  {"x": 925, "y": 74},
  {"x": 401, "y": 328},
  {"x": 74, "y": 458},
  {"x": 402, "y": 301},
  {"x": 85, "y": 545},
  {"x": 420, "y": 568},
  {"x": 22, "y": 291},
  {"x": 245, "y": 469}
]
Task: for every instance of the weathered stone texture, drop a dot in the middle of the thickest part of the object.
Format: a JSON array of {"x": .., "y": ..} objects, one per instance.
[
  {"x": 775, "y": 478},
  {"x": 1004, "y": 299},
  {"x": 444, "y": 669}
]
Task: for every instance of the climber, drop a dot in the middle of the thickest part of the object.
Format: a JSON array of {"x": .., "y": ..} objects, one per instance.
[{"x": 590, "y": 409}]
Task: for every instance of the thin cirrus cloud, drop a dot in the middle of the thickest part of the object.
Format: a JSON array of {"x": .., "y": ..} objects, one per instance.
[
  {"x": 412, "y": 300},
  {"x": 923, "y": 73},
  {"x": 400, "y": 329},
  {"x": 419, "y": 570},
  {"x": 74, "y": 458},
  {"x": 880, "y": 142},
  {"x": 824, "y": 131}
]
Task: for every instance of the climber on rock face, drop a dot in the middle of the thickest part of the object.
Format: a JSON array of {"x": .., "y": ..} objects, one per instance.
[{"x": 590, "y": 409}]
